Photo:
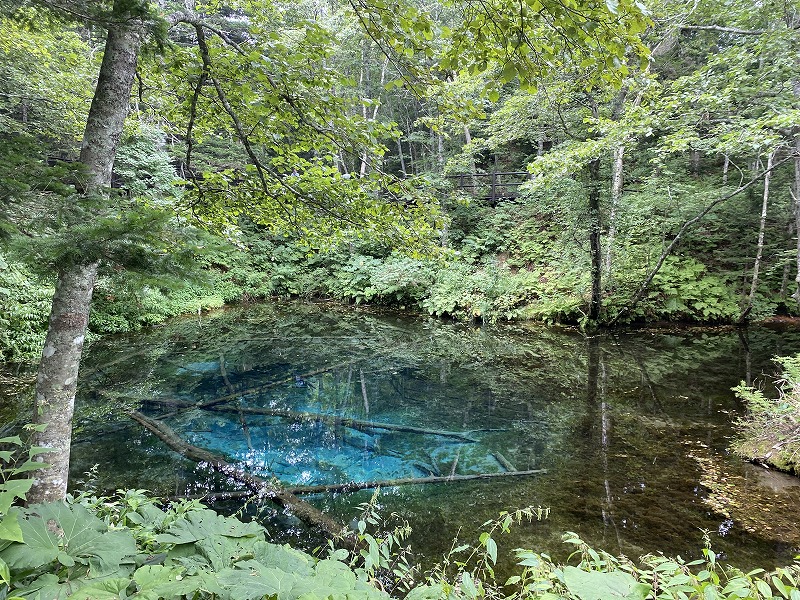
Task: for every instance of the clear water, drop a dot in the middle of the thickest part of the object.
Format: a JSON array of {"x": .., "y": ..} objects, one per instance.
[{"x": 632, "y": 427}]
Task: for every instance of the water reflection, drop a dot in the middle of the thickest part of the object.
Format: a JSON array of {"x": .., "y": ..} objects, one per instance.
[{"x": 632, "y": 427}]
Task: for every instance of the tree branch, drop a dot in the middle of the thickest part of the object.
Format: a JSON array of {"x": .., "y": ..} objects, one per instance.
[
  {"x": 722, "y": 29},
  {"x": 688, "y": 224}
]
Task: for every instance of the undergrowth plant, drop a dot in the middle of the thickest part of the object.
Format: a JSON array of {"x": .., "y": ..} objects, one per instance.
[
  {"x": 130, "y": 546},
  {"x": 769, "y": 432}
]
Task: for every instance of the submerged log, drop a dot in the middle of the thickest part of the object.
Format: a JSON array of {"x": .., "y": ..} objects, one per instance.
[
  {"x": 265, "y": 489},
  {"x": 504, "y": 462},
  {"x": 354, "y": 486},
  {"x": 363, "y": 485},
  {"x": 331, "y": 420},
  {"x": 265, "y": 386},
  {"x": 335, "y": 421}
]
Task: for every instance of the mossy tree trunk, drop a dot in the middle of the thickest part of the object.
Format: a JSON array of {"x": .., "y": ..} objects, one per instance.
[{"x": 69, "y": 315}]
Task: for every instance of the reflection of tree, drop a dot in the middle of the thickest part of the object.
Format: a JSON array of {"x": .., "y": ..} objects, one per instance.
[{"x": 597, "y": 404}]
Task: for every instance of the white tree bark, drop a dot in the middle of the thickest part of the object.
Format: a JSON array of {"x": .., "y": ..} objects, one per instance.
[
  {"x": 761, "y": 227},
  {"x": 616, "y": 194},
  {"x": 796, "y": 206}
]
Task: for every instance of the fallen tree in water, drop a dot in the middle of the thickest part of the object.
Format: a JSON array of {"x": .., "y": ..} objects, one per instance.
[
  {"x": 300, "y": 416},
  {"x": 354, "y": 486},
  {"x": 336, "y": 421},
  {"x": 261, "y": 487}
]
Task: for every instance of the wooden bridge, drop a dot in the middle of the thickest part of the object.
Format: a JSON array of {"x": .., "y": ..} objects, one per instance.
[{"x": 491, "y": 187}]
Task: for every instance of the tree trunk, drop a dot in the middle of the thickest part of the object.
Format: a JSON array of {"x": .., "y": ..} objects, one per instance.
[
  {"x": 594, "y": 239},
  {"x": 726, "y": 163},
  {"x": 402, "y": 158},
  {"x": 761, "y": 227},
  {"x": 616, "y": 194},
  {"x": 796, "y": 205},
  {"x": 69, "y": 315},
  {"x": 694, "y": 163}
]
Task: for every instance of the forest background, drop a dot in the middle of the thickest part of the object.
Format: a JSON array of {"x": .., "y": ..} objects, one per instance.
[{"x": 655, "y": 188}]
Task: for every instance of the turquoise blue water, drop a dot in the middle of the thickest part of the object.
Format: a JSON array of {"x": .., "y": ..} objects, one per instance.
[{"x": 631, "y": 427}]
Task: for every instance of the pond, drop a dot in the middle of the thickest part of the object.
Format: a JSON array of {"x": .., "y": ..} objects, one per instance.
[{"x": 632, "y": 427}]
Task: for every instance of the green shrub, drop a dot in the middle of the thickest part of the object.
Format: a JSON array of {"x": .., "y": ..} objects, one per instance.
[
  {"x": 770, "y": 433},
  {"x": 684, "y": 290},
  {"x": 24, "y": 310},
  {"x": 128, "y": 547}
]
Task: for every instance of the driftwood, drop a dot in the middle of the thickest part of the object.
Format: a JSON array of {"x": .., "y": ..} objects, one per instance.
[
  {"x": 335, "y": 421},
  {"x": 264, "y": 489},
  {"x": 354, "y": 486}
]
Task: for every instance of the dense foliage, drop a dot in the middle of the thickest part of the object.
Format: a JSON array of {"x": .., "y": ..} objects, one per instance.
[
  {"x": 670, "y": 197},
  {"x": 130, "y": 547}
]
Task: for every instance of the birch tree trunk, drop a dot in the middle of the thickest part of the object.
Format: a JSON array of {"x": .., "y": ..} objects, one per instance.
[
  {"x": 69, "y": 315},
  {"x": 616, "y": 194},
  {"x": 761, "y": 227},
  {"x": 795, "y": 193},
  {"x": 594, "y": 239},
  {"x": 796, "y": 206}
]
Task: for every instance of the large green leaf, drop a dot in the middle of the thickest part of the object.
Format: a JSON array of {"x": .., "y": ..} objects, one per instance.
[
  {"x": 69, "y": 534},
  {"x": 156, "y": 581},
  {"x": 202, "y": 524},
  {"x": 253, "y": 581},
  {"x": 12, "y": 490},
  {"x": 596, "y": 585},
  {"x": 427, "y": 592},
  {"x": 105, "y": 589},
  {"x": 219, "y": 539},
  {"x": 47, "y": 586},
  {"x": 9, "y": 527},
  {"x": 284, "y": 558},
  {"x": 334, "y": 578}
]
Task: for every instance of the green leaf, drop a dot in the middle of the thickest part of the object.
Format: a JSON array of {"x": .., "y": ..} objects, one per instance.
[
  {"x": 509, "y": 72},
  {"x": 51, "y": 529},
  {"x": 28, "y": 466},
  {"x": 491, "y": 550},
  {"x": 780, "y": 586},
  {"x": 468, "y": 585},
  {"x": 5, "y": 574},
  {"x": 10, "y": 529},
  {"x": 37, "y": 450},
  {"x": 597, "y": 585},
  {"x": 157, "y": 581},
  {"x": 46, "y": 586},
  {"x": 204, "y": 524},
  {"x": 12, "y": 490},
  {"x": 763, "y": 588},
  {"x": 252, "y": 581},
  {"x": 106, "y": 589}
]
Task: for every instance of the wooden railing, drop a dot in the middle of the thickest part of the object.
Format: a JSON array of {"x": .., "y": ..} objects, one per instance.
[{"x": 491, "y": 187}]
